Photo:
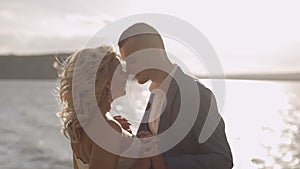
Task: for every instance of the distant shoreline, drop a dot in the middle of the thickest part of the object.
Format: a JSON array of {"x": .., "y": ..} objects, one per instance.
[
  {"x": 29, "y": 66},
  {"x": 265, "y": 77},
  {"x": 40, "y": 67}
]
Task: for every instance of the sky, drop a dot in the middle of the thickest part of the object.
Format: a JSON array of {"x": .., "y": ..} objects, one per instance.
[{"x": 248, "y": 36}]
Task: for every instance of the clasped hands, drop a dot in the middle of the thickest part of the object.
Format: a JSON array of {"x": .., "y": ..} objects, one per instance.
[{"x": 149, "y": 147}]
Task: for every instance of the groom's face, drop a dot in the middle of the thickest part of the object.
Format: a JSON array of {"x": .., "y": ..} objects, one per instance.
[{"x": 135, "y": 62}]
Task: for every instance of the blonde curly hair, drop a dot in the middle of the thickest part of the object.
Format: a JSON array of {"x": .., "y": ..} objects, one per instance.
[{"x": 85, "y": 60}]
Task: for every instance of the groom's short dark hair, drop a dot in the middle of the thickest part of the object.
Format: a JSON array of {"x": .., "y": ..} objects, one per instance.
[{"x": 144, "y": 34}]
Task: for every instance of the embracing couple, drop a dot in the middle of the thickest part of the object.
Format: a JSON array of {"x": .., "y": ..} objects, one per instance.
[{"x": 142, "y": 49}]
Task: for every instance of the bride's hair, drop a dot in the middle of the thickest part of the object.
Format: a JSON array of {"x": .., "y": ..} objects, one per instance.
[{"x": 90, "y": 57}]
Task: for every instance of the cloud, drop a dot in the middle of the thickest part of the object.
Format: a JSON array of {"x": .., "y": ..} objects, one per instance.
[
  {"x": 6, "y": 15},
  {"x": 39, "y": 44},
  {"x": 52, "y": 25},
  {"x": 286, "y": 59},
  {"x": 242, "y": 38},
  {"x": 59, "y": 8}
]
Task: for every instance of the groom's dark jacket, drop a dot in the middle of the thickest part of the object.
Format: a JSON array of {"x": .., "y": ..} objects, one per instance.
[{"x": 188, "y": 153}]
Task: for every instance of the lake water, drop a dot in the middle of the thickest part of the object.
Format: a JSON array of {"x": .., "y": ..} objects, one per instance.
[{"x": 262, "y": 124}]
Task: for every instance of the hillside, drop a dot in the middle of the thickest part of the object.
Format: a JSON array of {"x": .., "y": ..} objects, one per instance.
[
  {"x": 29, "y": 67},
  {"x": 288, "y": 76},
  {"x": 41, "y": 67}
]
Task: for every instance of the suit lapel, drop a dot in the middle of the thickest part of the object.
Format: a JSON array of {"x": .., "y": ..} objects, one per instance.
[{"x": 166, "y": 117}]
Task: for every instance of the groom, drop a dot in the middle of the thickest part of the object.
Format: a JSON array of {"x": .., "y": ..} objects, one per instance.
[{"x": 142, "y": 48}]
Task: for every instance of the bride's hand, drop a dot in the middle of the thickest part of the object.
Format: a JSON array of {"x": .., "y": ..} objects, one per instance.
[{"x": 123, "y": 122}]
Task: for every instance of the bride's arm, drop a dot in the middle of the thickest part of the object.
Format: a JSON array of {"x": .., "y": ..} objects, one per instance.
[
  {"x": 142, "y": 163},
  {"x": 102, "y": 159},
  {"x": 158, "y": 162}
]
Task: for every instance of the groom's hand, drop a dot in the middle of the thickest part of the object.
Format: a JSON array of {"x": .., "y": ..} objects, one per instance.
[
  {"x": 150, "y": 147},
  {"x": 123, "y": 122}
]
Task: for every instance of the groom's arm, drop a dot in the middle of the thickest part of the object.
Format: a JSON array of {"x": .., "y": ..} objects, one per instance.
[
  {"x": 200, "y": 161},
  {"x": 186, "y": 161}
]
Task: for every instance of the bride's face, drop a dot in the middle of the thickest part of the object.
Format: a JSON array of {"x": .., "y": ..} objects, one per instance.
[{"x": 118, "y": 83}]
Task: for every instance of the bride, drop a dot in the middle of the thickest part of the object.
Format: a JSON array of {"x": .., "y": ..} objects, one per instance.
[{"x": 86, "y": 153}]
